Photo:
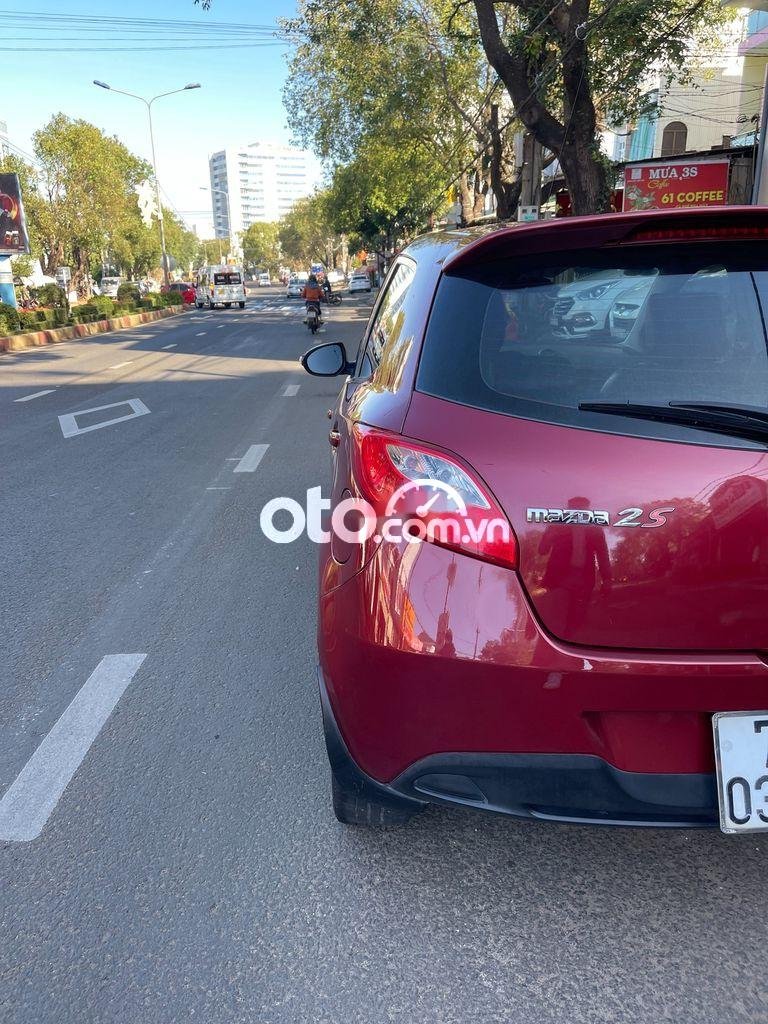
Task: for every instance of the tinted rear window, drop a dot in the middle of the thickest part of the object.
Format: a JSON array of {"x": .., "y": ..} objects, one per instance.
[
  {"x": 535, "y": 338},
  {"x": 226, "y": 279}
]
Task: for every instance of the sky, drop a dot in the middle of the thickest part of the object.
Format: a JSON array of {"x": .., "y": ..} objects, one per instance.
[{"x": 240, "y": 100}]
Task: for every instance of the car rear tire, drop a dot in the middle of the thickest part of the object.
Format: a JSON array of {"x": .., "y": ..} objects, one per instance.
[{"x": 352, "y": 807}]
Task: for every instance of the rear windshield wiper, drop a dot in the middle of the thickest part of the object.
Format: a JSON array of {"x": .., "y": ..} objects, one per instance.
[{"x": 749, "y": 422}]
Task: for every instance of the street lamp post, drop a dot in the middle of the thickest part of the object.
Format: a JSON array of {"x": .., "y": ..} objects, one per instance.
[
  {"x": 229, "y": 212},
  {"x": 148, "y": 103}
]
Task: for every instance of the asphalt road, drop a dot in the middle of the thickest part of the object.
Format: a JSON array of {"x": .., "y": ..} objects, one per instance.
[{"x": 192, "y": 868}]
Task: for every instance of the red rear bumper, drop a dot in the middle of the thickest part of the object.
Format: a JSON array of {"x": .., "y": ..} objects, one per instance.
[{"x": 427, "y": 652}]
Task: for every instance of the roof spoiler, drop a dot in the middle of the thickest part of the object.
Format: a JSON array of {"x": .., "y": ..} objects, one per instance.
[{"x": 732, "y": 223}]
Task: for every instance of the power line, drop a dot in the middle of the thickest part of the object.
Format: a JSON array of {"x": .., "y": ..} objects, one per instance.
[{"x": 136, "y": 49}]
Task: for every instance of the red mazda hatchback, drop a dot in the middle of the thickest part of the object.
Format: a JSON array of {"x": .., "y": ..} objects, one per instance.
[{"x": 555, "y": 604}]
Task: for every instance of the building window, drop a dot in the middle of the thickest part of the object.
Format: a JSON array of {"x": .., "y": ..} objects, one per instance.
[{"x": 674, "y": 138}]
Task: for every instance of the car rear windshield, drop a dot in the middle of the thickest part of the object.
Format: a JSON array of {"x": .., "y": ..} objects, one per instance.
[
  {"x": 539, "y": 336},
  {"x": 226, "y": 279}
]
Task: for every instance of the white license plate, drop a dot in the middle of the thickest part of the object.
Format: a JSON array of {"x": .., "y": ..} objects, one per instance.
[{"x": 741, "y": 757}]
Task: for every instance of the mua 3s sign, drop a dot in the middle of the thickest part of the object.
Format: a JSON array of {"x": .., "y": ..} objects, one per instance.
[{"x": 676, "y": 185}]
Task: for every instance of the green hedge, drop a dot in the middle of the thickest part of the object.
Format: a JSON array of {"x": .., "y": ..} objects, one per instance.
[
  {"x": 9, "y": 318},
  {"x": 51, "y": 295},
  {"x": 29, "y": 320},
  {"x": 101, "y": 307},
  {"x": 104, "y": 305},
  {"x": 128, "y": 290}
]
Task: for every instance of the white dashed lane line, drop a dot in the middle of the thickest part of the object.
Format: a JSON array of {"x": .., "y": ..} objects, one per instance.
[
  {"x": 175, "y": 343},
  {"x": 291, "y": 390},
  {"x": 119, "y": 366},
  {"x": 250, "y": 461},
  {"x": 37, "y": 394},
  {"x": 33, "y": 795},
  {"x": 200, "y": 334}
]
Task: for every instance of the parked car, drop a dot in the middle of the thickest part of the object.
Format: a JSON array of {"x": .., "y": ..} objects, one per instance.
[
  {"x": 583, "y": 306},
  {"x": 627, "y": 306},
  {"x": 178, "y": 286},
  {"x": 359, "y": 282},
  {"x": 583, "y": 637},
  {"x": 109, "y": 286},
  {"x": 294, "y": 289}
]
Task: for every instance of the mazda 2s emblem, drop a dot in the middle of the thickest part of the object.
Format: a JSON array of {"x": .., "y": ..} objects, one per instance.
[{"x": 598, "y": 517}]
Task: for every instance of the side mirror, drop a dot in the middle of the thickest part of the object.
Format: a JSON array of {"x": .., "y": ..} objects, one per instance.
[{"x": 327, "y": 360}]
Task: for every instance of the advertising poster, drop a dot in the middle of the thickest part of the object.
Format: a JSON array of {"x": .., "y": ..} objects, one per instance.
[
  {"x": 676, "y": 185},
  {"x": 13, "y": 227}
]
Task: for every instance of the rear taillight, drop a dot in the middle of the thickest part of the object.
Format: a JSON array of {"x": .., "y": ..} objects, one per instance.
[{"x": 420, "y": 492}]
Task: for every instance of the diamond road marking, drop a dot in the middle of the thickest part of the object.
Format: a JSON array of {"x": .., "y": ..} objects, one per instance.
[{"x": 68, "y": 422}]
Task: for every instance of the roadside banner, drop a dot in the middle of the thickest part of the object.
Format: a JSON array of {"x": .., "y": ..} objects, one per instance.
[
  {"x": 13, "y": 226},
  {"x": 675, "y": 185}
]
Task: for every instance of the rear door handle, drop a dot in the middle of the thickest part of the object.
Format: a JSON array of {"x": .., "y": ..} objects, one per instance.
[{"x": 334, "y": 438}]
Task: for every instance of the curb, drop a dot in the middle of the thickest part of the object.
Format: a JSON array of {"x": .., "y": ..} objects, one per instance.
[{"x": 35, "y": 339}]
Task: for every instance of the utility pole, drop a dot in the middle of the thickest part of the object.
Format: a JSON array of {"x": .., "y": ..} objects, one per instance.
[
  {"x": 530, "y": 191},
  {"x": 225, "y": 193},
  {"x": 148, "y": 103},
  {"x": 760, "y": 184}
]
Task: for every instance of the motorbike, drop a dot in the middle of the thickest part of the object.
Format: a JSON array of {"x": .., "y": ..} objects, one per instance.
[
  {"x": 313, "y": 318},
  {"x": 333, "y": 298}
]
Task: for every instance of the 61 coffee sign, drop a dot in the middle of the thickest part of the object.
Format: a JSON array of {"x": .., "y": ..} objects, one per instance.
[{"x": 676, "y": 185}]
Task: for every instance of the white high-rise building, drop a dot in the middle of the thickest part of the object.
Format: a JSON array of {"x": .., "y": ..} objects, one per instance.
[
  {"x": 5, "y": 142},
  {"x": 263, "y": 182}
]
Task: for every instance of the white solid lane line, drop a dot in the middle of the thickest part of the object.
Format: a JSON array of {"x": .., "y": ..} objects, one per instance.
[
  {"x": 251, "y": 459},
  {"x": 31, "y": 798},
  {"x": 37, "y": 394},
  {"x": 291, "y": 390},
  {"x": 175, "y": 343}
]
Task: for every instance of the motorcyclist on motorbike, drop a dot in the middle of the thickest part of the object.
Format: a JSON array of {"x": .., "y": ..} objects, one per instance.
[
  {"x": 312, "y": 294},
  {"x": 312, "y": 291}
]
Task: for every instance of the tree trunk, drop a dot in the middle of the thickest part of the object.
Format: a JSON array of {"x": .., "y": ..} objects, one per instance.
[
  {"x": 478, "y": 208},
  {"x": 587, "y": 179},
  {"x": 53, "y": 257},
  {"x": 573, "y": 140},
  {"x": 466, "y": 199},
  {"x": 505, "y": 191},
  {"x": 81, "y": 274}
]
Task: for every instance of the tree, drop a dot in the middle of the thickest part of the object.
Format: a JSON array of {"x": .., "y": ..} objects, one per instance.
[
  {"x": 211, "y": 251},
  {"x": 261, "y": 246},
  {"x": 307, "y": 234},
  {"x": 180, "y": 243},
  {"x": 384, "y": 196},
  {"x": 88, "y": 183},
  {"x": 567, "y": 65},
  {"x": 398, "y": 75}
]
